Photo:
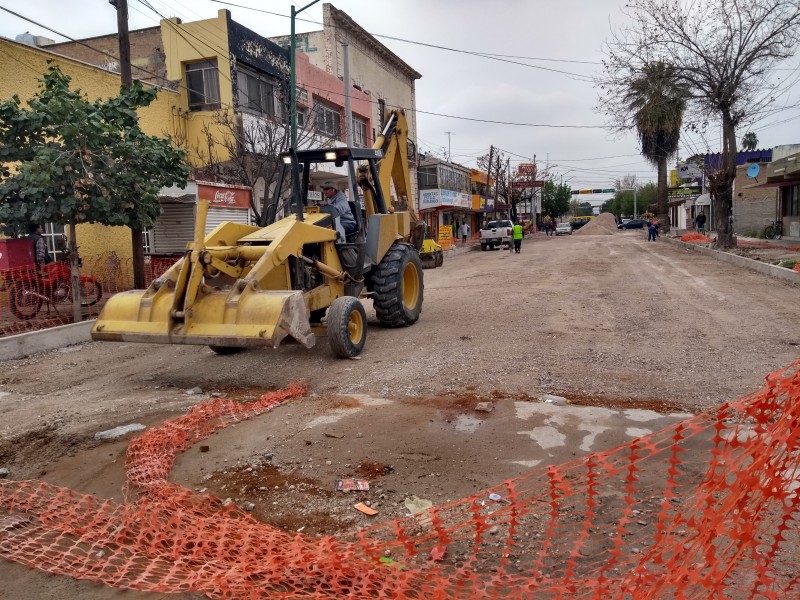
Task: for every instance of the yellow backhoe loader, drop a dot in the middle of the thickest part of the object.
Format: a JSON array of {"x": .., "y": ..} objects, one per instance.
[{"x": 297, "y": 276}]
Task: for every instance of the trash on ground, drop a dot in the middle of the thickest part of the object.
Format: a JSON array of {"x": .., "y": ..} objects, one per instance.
[
  {"x": 352, "y": 485},
  {"x": 333, "y": 435},
  {"x": 416, "y": 505},
  {"x": 110, "y": 434},
  {"x": 484, "y": 407},
  {"x": 390, "y": 562},
  {"x": 438, "y": 552},
  {"x": 361, "y": 507},
  {"x": 498, "y": 498},
  {"x": 557, "y": 400}
]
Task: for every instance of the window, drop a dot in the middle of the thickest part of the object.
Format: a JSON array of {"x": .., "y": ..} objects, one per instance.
[
  {"x": 327, "y": 119},
  {"x": 256, "y": 93},
  {"x": 202, "y": 84},
  {"x": 791, "y": 200},
  {"x": 359, "y": 133},
  {"x": 302, "y": 117},
  {"x": 427, "y": 177}
]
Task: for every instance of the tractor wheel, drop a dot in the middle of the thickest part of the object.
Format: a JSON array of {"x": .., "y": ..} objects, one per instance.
[
  {"x": 347, "y": 327},
  {"x": 439, "y": 258},
  {"x": 226, "y": 350},
  {"x": 398, "y": 287}
]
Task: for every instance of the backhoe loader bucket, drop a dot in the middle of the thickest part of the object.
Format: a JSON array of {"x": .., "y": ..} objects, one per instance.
[{"x": 260, "y": 318}]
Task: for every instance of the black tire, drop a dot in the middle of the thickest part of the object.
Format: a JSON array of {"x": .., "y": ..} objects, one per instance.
[
  {"x": 226, "y": 350},
  {"x": 439, "y": 258},
  {"x": 91, "y": 292},
  {"x": 398, "y": 287},
  {"x": 769, "y": 232},
  {"x": 778, "y": 232},
  {"x": 483, "y": 247},
  {"x": 25, "y": 302},
  {"x": 347, "y": 327}
]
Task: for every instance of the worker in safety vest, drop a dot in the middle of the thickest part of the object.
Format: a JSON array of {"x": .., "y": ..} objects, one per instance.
[{"x": 516, "y": 232}]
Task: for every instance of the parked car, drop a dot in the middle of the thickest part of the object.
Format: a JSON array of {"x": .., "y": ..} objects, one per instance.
[
  {"x": 633, "y": 224},
  {"x": 563, "y": 229},
  {"x": 496, "y": 233}
]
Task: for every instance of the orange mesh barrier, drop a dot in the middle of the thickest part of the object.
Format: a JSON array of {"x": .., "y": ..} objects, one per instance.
[
  {"x": 34, "y": 298},
  {"x": 707, "y": 508},
  {"x": 696, "y": 238}
]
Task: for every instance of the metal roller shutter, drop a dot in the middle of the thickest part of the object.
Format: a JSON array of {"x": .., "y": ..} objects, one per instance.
[
  {"x": 220, "y": 215},
  {"x": 174, "y": 228}
]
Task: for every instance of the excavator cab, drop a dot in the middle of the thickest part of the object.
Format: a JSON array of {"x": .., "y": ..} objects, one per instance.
[{"x": 294, "y": 276}]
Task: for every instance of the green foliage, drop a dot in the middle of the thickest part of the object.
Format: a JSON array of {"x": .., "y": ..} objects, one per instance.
[
  {"x": 67, "y": 160},
  {"x": 749, "y": 141},
  {"x": 622, "y": 204},
  {"x": 789, "y": 264},
  {"x": 555, "y": 198}
]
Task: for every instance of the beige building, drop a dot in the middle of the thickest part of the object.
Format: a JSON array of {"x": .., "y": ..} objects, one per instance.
[{"x": 374, "y": 69}]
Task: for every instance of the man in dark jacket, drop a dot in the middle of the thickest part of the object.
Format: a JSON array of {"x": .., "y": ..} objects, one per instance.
[{"x": 40, "y": 253}]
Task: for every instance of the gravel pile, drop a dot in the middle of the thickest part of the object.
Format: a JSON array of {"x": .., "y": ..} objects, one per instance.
[{"x": 603, "y": 224}]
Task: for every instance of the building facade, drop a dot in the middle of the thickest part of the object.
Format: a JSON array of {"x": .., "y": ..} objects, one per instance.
[{"x": 445, "y": 195}]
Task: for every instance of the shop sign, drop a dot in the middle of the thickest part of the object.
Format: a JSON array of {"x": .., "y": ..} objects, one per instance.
[
  {"x": 445, "y": 236},
  {"x": 223, "y": 196},
  {"x": 429, "y": 198}
]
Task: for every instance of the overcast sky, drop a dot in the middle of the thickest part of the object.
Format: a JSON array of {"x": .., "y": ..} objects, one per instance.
[{"x": 542, "y": 84}]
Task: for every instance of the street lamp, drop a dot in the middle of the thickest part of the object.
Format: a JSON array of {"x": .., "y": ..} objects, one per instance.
[{"x": 292, "y": 84}]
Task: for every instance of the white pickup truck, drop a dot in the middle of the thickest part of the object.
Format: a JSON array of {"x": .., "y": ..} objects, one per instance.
[{"x": 496, "y": 233}]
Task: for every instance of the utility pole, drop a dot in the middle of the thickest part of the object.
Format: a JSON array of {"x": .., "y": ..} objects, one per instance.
[
  {"x": 489, "y": 170},
  {"x": 137, "y": 234},
  {"x": 449, "y": 154}
]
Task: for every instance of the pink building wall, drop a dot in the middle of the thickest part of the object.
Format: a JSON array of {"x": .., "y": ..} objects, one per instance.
[{"x": 319, "y": 83}]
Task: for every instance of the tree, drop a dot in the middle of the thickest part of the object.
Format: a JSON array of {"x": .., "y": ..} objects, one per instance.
[
  {"x": 657, "y": 101},
  {"x": 244, "y": 149},
  {"x": 555, "y": 199},
  {"x": 749, "y": 141},
  {"x": 76, "y": 161},
  {"x": 723, "y": 51}
]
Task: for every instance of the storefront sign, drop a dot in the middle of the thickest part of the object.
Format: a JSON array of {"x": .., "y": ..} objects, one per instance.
[
  {"x": 439, "y": 197},
  {"x": 219, "y": 196},
  {"x": 445, "y": 236},
  {"x": 528, "y": 169}
]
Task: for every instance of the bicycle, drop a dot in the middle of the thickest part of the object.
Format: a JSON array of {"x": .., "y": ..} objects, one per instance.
[{"x": 774, "y": 230}]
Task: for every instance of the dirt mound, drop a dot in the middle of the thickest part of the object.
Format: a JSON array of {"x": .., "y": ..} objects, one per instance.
[{"x": 603, "y": 224}]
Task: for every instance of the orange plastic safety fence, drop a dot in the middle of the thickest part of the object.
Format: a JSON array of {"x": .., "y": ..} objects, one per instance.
[
  {"x": 696, "y": 237},
  {"x": 706, "y": 508},
  {"x": 33, "y": 298}
]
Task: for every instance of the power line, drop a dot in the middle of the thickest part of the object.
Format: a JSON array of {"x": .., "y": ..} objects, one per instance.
[{"x": 498, "y": 57}]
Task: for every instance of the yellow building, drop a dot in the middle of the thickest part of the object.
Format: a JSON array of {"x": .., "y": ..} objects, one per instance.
[{"x": 21, "y": 68}]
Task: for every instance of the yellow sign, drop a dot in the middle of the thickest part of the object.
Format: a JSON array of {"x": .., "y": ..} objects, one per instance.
[{"x": 445, "y": 236}]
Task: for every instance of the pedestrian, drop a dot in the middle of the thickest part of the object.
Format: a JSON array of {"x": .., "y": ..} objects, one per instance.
[
  {"x": 516, "y": 231},
  {"x": 455, "y": 232},
  {"x": 464, "y": 232},
  {"x": 700, "y": 222},
  {"x": 652, "y": 230},
  {"x": 40, "y": 253},
  {"x": 338, "y": 200}
]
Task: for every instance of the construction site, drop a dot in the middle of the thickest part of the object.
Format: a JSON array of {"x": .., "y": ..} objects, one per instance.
[{"x": 593, "y": 417}]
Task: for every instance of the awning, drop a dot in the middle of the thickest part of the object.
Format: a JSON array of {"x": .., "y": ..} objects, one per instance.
[{"x": 703, "y": 200}]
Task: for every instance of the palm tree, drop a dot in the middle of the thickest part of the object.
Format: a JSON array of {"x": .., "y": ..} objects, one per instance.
[
  {"x": 749, "y": 141},
  {"x": 657, "y": 101}
]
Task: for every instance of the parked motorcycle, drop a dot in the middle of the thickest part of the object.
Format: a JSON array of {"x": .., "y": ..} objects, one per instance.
[{"x": 29, "y": 289}]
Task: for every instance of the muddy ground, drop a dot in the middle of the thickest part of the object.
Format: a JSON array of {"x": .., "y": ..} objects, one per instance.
[{"x": 635, "y": 335}]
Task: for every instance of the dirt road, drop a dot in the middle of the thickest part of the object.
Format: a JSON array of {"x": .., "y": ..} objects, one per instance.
[{"x": 635, "y": 335}]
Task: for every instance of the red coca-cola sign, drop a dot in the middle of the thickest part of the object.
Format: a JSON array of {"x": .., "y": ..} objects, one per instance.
[{"x": 220, "y": 196}]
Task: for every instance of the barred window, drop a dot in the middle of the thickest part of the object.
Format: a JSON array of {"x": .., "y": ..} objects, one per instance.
[
  {"x": 359, "y": 133},
  {"x": 256, "y": 93},
  {"x": 327, "y": 119}
]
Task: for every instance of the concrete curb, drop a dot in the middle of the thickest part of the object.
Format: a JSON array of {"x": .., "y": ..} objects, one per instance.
[
  {"x": 23, "y": 344},
  {"x": 740, "y": 261}
]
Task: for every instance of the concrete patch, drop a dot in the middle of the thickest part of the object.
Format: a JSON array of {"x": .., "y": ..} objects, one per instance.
[
  {"x": 594, "y": 431},
  {"x": 636, "y": 432},
  {"x": 641, "y": 416},
  {"x": 334, "y": 416},
  {"x": 547, "y": 437}
]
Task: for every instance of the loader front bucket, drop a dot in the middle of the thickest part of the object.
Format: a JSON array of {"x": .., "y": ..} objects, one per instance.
[{"x": 217, "y": 318}]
